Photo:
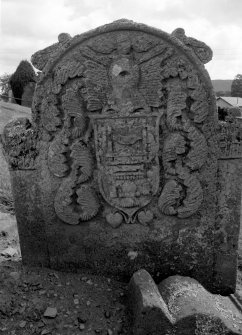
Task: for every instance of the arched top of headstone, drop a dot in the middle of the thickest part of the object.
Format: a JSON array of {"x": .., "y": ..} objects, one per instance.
[{"x": 196, "y": 51}]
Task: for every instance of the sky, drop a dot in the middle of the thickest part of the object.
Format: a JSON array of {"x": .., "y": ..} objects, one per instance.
[{"x": 31, "y": 25}]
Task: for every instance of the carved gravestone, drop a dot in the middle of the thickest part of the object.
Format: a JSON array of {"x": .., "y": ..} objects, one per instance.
[{"x": 122, "y": 167}]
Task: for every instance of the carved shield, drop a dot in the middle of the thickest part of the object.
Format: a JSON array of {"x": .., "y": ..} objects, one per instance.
[{"x": 127, "y": 160}]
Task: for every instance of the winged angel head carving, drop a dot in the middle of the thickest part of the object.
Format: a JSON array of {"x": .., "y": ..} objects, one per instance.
[{"x": 122, "y": 82}]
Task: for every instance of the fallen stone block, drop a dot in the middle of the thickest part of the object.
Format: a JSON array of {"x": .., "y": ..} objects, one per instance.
[{"x": 180, "y": 305}]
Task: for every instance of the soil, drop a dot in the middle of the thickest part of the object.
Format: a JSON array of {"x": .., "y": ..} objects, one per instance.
[{"x": 81, "y": 303}]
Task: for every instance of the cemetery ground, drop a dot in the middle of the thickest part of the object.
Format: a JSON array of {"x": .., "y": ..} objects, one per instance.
[
  {"x": 43, "y": 301},
  {"x": 80, "y": 303}
]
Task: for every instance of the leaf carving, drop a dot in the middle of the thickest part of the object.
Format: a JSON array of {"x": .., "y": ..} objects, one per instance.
[
  {"x": 74, "y": 110},
  {"x": 70, "y": 211},
  {"x": 57, "y": 160},
  {"x": 88, "y": 202},
  {"x": 82, "y": 161},
  {"x": 169, "y": 197}
]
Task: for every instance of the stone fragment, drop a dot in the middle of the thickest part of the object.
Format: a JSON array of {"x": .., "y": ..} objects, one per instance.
[
  {"x": 9, "y": 252},
  {"x": 22, "y": 324},
  {"x": 45, "y": 331},
  {"x": 82, "y": 326},
  {"x": 50, "y": 312},
  {"x": 132, "y": 254},
  {"x": 180, "y": 306},
  {"x": 151, "y": 314}
]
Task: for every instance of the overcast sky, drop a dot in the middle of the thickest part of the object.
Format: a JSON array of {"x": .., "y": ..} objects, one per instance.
[{"x": 31, "y": 25}]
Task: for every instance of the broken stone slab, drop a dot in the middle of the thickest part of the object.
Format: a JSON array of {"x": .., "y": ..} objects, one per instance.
[{"x": 180, "y": 305}]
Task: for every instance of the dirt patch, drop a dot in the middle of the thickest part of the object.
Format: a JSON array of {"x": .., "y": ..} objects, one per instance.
[
  {"x": 81, "y": 303},
  {"x": 84, "y": 303}
]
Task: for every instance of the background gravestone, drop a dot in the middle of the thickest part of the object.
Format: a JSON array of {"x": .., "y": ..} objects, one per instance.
[{"x": 125, "y": 165}]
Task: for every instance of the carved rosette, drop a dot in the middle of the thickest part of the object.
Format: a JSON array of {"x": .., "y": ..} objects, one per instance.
[{"x": 124, "y": 112}]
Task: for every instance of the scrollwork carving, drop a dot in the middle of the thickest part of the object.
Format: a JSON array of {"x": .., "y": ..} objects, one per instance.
[
  {"x": 184, "y": 153},
  {"x": 57, "y": 156},
  {"x": 74, "y": 111},
  {"x": 128, "y": 93},
  {"x": 75, "y": 201},
  {"x": 202, "y": 51},
  {"x": 73, "y": 204}
]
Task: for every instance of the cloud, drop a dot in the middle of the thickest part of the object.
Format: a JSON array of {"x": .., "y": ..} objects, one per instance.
[{"x": 30, "y": 25}]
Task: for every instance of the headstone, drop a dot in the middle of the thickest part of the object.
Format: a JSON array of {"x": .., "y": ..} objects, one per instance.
[{"x": 125, "y": 165}]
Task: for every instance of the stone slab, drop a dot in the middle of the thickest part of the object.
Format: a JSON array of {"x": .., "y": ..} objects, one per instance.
[{"x": 180, "y": 306}]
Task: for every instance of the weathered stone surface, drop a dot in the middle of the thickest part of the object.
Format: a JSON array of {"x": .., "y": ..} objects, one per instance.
[
  {"x": 50, "y": 312},
  {"x": 150, "y": 312},
  {"x": 180, "y": 306},
  {"x": 19, "y": 141},
  {"x": 124, "y": 158}
]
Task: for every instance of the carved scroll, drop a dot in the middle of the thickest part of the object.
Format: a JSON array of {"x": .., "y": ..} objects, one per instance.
[
  {"x": 119, "y": 105},
  {"x": 184, "y": 153}
]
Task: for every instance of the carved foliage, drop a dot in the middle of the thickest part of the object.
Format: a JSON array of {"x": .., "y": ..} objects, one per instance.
[
  {"x": 184, "y": 151},
  {"x": 50, "y": 115},
  {"x": 57, "y": 156},
  {"x": 68, "y": 156},
  {"x": 19, "y": 143},
  {"x": 74, "y": 204},
  {"x": 124, "y": 83},
  {"x": 74, "y": 113},
  {"x": 201, "y": 50},
  {"x": 75, "y": 199}
]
